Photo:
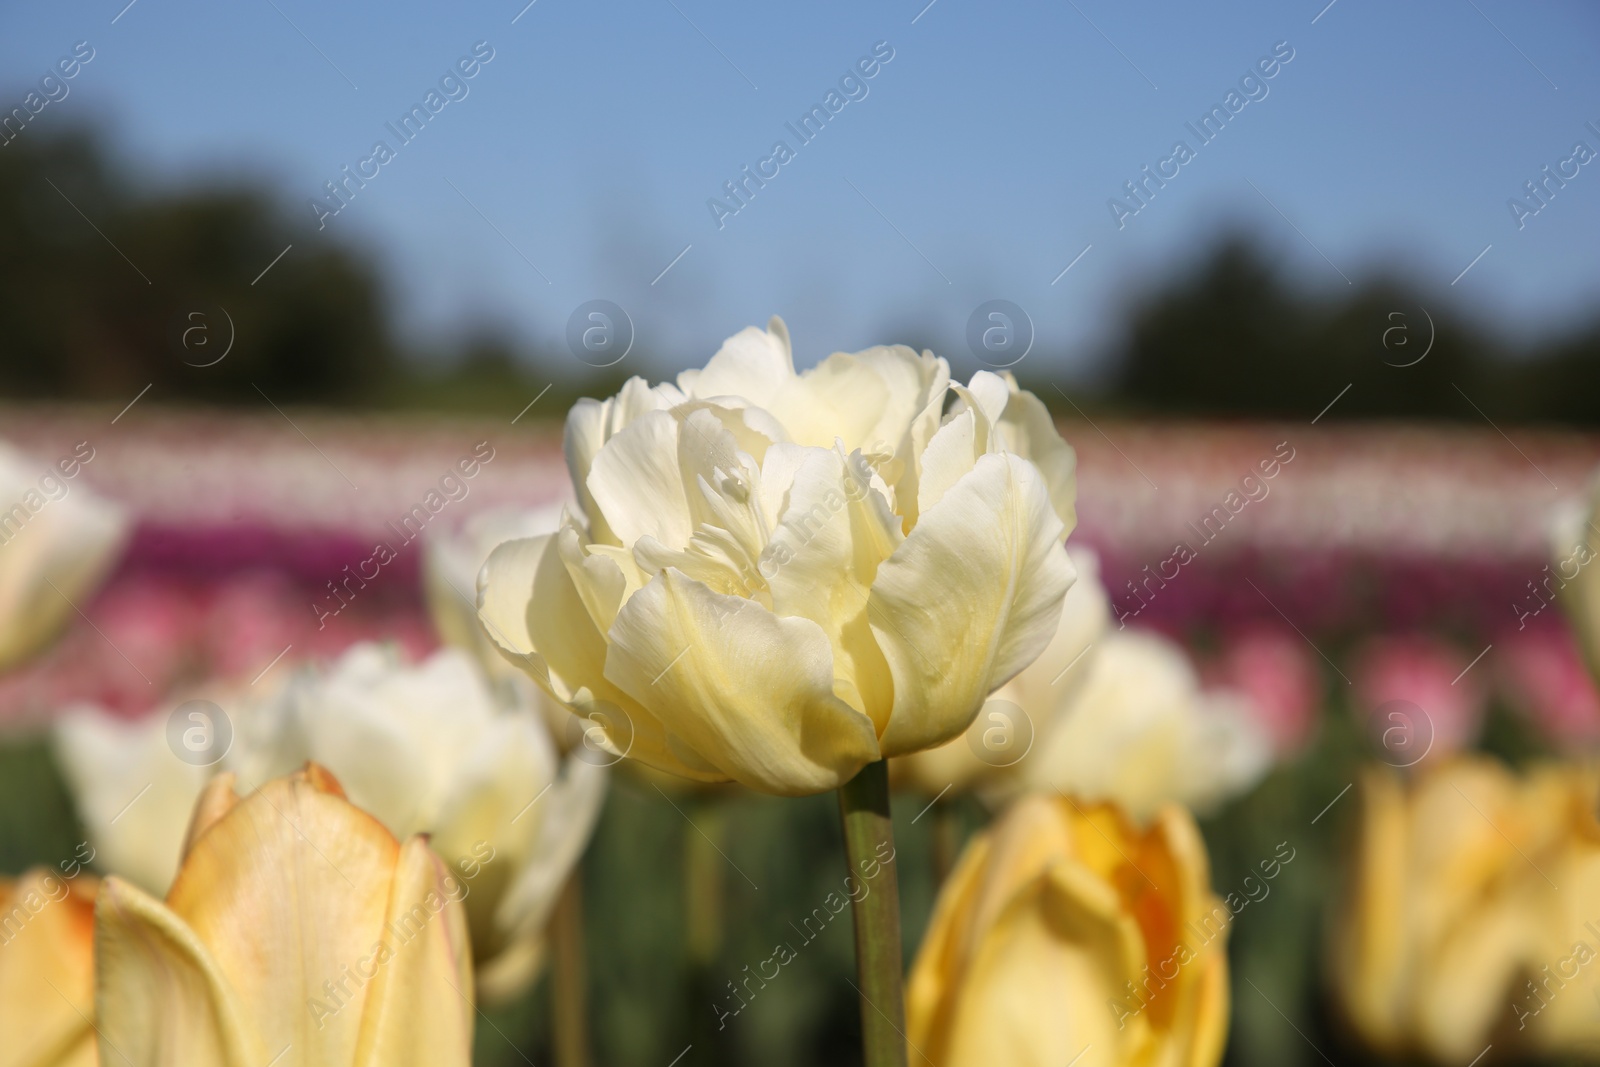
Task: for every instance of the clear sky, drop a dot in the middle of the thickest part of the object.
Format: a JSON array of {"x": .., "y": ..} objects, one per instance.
[{"x": 978, "y": 164}]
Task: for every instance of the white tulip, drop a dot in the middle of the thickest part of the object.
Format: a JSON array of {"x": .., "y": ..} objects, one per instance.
[
  {"x": 57, "y": 543},
  {"x": 437, "y": 748},
  {"x": 132, "y": 792},
  {"x": 1141, "y": 732},
  {"x": 778, "y": 578},
  {"x": 451, "y": 563}
]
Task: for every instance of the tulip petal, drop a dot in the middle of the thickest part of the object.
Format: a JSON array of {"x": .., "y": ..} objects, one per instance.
[
  {"x": 397, "y": 735},
  {"x": 637, "y": 484},
  {"x": 749, "y": 691},
  {"x": 1027, "y": 430},
  {"x": 418, "y": 1007},
  {"x": 820, "y": 564},
  {"x": 216, "y": 800},
  {"x": 288, "y": 891},
  {"x": 46, "y": 968},
  {"x": 161, "y": 998},
  {"x": 54, "y": 557},
  {"x": 754, "y": 364},
  {"x": 566, "y": 817},
  {"x": 530, "y": 603},
  {"x": 590, "y": 424},
  {"x": 494, "y": 808},
  {"x": 970, "y": 598},
  {"x": 949, "y": 457},
  {"x": 1032, "y": 996}
]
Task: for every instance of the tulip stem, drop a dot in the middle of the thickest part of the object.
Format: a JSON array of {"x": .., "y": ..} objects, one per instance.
[
  {"x": 869, "y": 850},
  {"x": 946, "y": 840},
  {"x": 569, "y": 979}
]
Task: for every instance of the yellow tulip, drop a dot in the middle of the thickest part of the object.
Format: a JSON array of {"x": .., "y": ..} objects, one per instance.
[
  {"x": 1067, "y": 934},
  {"x": 299, "y": 932},
  {"x": 47, "y": 970},
  {"x": 778, "y": 578},
  {"x": 57, "y": 541},
  {"x": 1473, "y": 912}
]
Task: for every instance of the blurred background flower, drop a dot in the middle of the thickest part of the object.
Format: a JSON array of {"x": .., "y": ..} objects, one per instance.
[{"x": 1470, "y": 917}]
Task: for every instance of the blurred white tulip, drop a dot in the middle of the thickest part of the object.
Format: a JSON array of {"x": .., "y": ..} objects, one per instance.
[
  {"x": 451, "y": 563},
  {"x": 1141, "y": 732},
  {"x": 438, "y": 748},
  {"x": 132, "y": 791},
  {"x": 57, "y": 542}
]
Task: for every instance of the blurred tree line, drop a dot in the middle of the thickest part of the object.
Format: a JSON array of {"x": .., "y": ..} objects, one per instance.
[
  {"x": 104, "y": 288},
  {"x": 1232, "y": 337}
]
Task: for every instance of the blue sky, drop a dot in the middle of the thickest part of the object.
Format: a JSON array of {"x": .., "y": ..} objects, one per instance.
[{"x": 978, "y": 165}]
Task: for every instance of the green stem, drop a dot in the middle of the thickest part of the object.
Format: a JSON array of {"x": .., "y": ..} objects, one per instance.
[
  {"x": 869, "y": 849},
  {"x": 704, "y": 883},
  {"x": 946, "y": 840},
  {"x": 569, "y": 978}
]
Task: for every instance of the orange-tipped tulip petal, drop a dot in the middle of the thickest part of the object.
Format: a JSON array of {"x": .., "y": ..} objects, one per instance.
[
  {"x": 298, "y": 928},
  {"x": 46, "y": 970}
]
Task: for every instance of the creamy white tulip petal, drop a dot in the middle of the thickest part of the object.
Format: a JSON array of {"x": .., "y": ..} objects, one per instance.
[
  {"x": 971, "y": 597},
  {"x": 1575, "y": 554},
  {"x": 451, "y": 563},
  {"x": 1044, "y": 691},
  {"x": 753, "y": 696}
]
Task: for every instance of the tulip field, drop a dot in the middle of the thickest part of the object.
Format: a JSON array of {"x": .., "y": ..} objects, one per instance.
[{"x": 1294, "y": 769}]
